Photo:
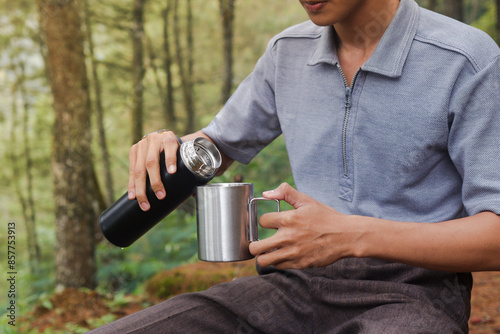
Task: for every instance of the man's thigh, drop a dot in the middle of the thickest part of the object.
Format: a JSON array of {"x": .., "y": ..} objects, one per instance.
[
  {"x": 408, "y": 318},
  {"x": 278, "y": 302}
]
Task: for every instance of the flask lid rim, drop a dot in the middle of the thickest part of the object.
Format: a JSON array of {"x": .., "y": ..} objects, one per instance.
[{"x": 201, "y": 157}]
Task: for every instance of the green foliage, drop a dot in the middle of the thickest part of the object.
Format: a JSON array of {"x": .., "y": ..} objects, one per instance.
[
  {"x": 7, "y": 329},
  {"x": 94, "y": 323},
  {"x": 170, "y": 243},
  {"x": 487, "y": 22}
]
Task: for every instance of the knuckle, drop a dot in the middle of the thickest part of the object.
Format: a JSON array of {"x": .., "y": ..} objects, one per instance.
[
  {"x": 285, "y": 185},
  {"x": 131, "y": 182},
  {"x": 308, "y": 262},
  {"x": 156, "y": 185},
  {"x": 294, "y": 252},
  {"x": 160, "y": 134},
  {"x": 287, "y": 221},
  {"x": 170, "y": 139},
  {"x": 138, "y": 173},
  {"x": 152, "y": 162},
  {"x": 140, "y": 194},
  {"x": 290, "y": 254}
]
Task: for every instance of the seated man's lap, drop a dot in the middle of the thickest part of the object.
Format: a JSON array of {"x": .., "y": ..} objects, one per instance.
[{"x": 297, "y": 301}]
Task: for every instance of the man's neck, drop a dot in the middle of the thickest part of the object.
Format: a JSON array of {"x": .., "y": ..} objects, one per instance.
[
  {"x": 359, "y": 34},
  {"x": 365, "y": 27}
]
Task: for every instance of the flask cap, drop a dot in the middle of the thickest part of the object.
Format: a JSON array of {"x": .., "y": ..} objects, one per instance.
[{"x": 201, "y": 157}]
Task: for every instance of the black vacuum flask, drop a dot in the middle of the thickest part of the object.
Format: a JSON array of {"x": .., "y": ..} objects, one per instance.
[{"x": 197, "y": 162}]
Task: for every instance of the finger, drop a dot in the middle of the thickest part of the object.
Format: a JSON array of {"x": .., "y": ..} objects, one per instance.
[
  {"x": 262, "y": 246},
  {"x": 277, "y": 241},
  {"x": 275, "y": 258},
  {"x": 153, "y": 167},
  {"x": 287, "y": 193},
  {"x": 132, "y": 158},
  {"x": 170, "y": 146},
  {"x": 288, "y": 265},
  {"x": 285, "y": 258},
  {"x": 140, "y": 174},
  {"x": 273, "y": 220}
]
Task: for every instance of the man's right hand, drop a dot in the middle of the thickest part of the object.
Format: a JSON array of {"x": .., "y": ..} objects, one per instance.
[{"x": 144, "y": 160}]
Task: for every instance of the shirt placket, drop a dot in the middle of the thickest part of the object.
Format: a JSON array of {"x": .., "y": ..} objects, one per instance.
[{"x": 346, "y": 182}]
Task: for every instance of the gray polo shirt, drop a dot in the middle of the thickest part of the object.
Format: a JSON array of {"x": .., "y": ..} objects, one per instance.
[{"x": 416, "y": 137}]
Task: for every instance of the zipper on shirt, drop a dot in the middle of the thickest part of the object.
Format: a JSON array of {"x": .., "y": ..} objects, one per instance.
[{"x": 348, "y": 99}]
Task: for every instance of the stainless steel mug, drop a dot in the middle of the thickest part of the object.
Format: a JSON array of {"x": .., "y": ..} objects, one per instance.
[{"x": 226, "y": 216}]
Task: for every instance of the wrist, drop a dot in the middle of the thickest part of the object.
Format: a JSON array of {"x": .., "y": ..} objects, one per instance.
[{"x": 364, "y": 232}]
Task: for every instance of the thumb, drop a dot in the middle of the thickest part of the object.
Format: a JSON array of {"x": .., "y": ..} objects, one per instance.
[{"x": 287, "y": 193}]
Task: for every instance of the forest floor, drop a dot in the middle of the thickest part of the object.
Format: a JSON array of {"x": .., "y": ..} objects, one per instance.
[
  {"x": 485, "y": 313},
  {"x": 78, "y": 308}
]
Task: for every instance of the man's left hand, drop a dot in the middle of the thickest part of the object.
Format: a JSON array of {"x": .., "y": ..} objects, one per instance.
[{"x": 312, "y": 235}]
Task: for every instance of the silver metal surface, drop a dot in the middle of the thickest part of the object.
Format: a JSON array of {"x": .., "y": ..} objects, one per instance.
[
  {"x": 201, "y": 157},
  {"x": 222, "y": 216},
  {"x": 226, "y": 215},
  {"x": 253, "y": 232}
]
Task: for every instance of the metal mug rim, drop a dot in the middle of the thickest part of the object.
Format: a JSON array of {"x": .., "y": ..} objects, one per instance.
[{"x": 226, "y": 185}]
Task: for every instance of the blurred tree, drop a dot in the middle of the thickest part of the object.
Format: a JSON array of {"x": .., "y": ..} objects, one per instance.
[
  {"x": 167, "y": 64},
  {"x": 33, "y": 247},
  {"x": 185, "y": 59},
  {"x": 454, "y": 9},
  {"x": 189, "y": 81},
  {"x": 72, "y": 168},
  {"x": 108, "y": 179},
  {"x": 24, "y": 193},
  {"x": 498, "y": 21},
  {"x": 432, "y": 4},
  {"x": 227, "y": 9},
  {"x": 166, "y": 93},
  {"x": 138, "y": 70},
  {"x": 472, "y": 11}
]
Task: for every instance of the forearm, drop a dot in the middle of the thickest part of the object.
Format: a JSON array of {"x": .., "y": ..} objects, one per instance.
[
  {"x": 462, "y": 245},
  {"x": 316, "y": 235}
]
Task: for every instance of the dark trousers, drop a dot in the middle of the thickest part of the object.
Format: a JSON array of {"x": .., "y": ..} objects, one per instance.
[{"x": 350, "y": 296}]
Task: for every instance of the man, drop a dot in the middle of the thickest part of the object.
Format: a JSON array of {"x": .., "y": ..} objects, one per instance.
[{"x": 391, "y": 117}]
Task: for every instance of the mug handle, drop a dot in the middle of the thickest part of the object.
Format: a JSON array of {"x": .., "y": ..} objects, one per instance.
[{"x": 253, "y": 224}]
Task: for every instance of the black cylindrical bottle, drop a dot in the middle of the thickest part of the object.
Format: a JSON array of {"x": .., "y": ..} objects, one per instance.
[{"x": 197, "y": 162}]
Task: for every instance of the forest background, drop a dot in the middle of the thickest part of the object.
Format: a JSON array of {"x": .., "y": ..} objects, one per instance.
[{"x": 80, "y": 82}]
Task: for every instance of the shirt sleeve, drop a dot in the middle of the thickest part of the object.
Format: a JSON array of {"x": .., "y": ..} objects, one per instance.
[
  {"x": 248, "y": 122},
  {"x": 474, "y": 139}
]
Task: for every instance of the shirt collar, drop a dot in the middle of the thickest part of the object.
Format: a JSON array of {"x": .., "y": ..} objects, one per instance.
[{"x": 391, "y": 52}]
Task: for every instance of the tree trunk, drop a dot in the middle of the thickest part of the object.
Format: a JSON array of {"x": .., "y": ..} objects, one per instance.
[
  {"x": 186, "y": 76},
  {"x": 33, "y": 247},
  {"x": 71, "y": 154},
  {"x": 170, "y": 117},
  {"x": 432, "y": 5},
  {"x": 190, "y": 109},
  {"x": 169, "y": 120},
  {"x": 20, "y": 190},
  {"x": 108, "y": 179},
  {"x": 154, "y": 68},
  {"x": 138, "y": 70},
  {"x": 454, "y": 9},
  {"x": 473, "y": 12},
  {"x": 227, "y": 17},
  {"x": 498, "y": 21}
]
